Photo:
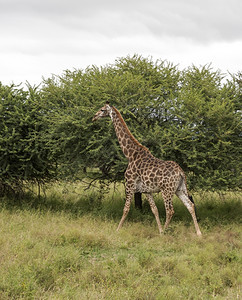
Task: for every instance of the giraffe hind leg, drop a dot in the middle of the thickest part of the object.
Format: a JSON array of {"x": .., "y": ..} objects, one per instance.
[{"x": 189, "y": 203}]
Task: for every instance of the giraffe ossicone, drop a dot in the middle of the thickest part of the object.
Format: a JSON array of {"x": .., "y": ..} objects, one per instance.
[{"x": 148, "y": 174}]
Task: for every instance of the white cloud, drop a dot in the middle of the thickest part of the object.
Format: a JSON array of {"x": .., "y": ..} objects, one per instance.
[{"x": 39, "y": 38}]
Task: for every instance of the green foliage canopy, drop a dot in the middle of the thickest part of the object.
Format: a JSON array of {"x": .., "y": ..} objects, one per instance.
[
  {"x": 191, "y": 116},
  {"x": 24, "y": 152}
]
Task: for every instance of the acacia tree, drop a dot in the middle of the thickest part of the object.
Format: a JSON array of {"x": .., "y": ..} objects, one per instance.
[
  {"x": 24, "y": 153},
  {"x": 204, "y": 130},
  {"x": 133, "y": 84},
  {"x": 190, "y": 117}
]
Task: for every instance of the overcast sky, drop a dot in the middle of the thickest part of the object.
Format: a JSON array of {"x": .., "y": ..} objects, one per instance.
[{"x": 39, "y": 38}]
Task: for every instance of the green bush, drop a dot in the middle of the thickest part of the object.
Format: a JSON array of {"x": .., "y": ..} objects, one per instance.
[
  {"x": 24, "y": 152},
  {"x": 190, "y": 116}
]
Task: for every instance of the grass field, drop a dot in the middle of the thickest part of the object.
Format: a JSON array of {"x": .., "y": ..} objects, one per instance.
[{"x": 65, "y": 246}]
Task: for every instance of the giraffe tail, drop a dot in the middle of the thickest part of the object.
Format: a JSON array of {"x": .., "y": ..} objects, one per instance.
[{"x": 191, "y": 199}]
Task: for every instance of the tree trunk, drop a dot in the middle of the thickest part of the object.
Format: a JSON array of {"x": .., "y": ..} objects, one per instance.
[{"x": 138, "y": 200}]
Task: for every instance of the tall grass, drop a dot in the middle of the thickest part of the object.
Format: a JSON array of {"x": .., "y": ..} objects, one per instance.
[{"x": 65, "y": 246}]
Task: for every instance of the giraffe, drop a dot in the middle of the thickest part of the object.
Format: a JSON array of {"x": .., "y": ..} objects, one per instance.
[{"x": 148, "y": 174}]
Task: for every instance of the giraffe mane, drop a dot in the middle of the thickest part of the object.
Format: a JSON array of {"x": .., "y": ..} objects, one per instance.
[{"x": 127, "y": 129}]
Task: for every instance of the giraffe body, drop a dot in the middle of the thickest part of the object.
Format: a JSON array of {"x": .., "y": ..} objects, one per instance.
[{"x": 148, "y": 174}]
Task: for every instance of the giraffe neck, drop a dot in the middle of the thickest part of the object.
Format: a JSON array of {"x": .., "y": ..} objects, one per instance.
[{"x": 129, "y": 145}]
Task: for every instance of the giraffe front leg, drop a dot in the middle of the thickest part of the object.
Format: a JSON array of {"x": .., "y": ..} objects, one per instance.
[
  {"x": 169, "y": 209},
  {"x": 155, "y": 211},
  {"x": 129, "y": 195},
  {"x": 169, "y": 214}
]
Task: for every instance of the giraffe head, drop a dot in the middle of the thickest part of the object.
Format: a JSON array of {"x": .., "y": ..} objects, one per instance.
[{"x": 105, "y": 111}]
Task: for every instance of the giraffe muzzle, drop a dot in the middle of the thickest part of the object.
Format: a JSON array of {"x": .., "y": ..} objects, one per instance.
[{"x": 94, "y": 118}]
